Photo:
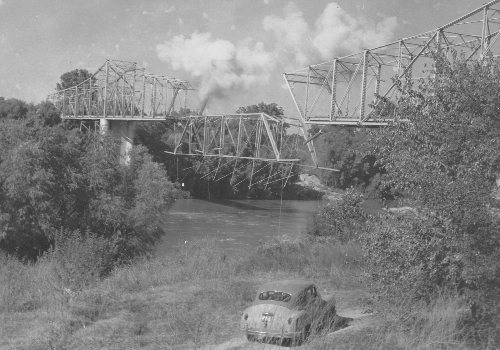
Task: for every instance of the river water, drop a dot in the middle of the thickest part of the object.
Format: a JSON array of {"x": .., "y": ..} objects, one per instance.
[{"x": 237, "y": 224}]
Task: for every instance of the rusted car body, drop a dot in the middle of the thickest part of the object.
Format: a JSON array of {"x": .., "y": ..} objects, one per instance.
[{"x": 286, "y": 311}]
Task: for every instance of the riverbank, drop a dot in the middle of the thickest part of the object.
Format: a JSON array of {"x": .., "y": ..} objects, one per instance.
[{"x": 193, "y": 298}]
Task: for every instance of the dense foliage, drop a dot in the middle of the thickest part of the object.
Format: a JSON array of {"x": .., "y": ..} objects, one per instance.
[
  {"x": 53, "y": 178},
  {"x": 72, "y": 78},
  {"x": 445, "y": 160},
  {"x": 347, "y": 149},
  {"x": 343, "y": 220}
]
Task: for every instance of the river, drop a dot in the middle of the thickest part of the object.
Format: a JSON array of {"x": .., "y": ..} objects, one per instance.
[{"x": 237, "y": 224}]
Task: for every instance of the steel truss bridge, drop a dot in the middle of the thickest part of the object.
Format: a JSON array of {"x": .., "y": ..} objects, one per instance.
[
  {"x": 256, "y": 142},
  {"x": 253, "y": 136},
  {"x": 347, "y": 90},
  {"x": 120, "y": 94},
  {"x": 121, "y": 90}
]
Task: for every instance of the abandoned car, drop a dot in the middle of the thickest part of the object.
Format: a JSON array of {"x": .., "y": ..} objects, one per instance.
[{"x": 287, "y": 311}]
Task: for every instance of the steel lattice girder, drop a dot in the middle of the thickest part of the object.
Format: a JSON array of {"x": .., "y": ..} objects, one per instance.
[
  {"x": 347, "y": 90},
  {"x": 238, "y": 171},
  {"x": 121, "y": 90},
  {"x": 253, "y": 136}
]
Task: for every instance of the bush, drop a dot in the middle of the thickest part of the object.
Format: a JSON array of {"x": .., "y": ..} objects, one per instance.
[
  {"x": 445, "y": 159},
  {"x": 343, "y": 220},
  {"x": 80, "y": 260},
  {"x": 52, "y": 178}
]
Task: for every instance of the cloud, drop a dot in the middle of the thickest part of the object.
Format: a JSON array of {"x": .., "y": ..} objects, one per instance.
[
  {"x": 291, "y": 31},
  {"x": 335, "y": 33},
  {"x": 221, "y": 66},
  {"x": 218, "y": 64},
  {"x": 338, "y": 33}
]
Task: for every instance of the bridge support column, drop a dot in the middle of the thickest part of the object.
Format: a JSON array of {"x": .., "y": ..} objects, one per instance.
[
  {"x": 103, "y": 126},
  {"x": 126, "y": 132},
  {"x": 123, "y": 129}
]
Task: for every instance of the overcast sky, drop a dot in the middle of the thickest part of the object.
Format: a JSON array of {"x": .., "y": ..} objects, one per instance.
[{"x": 232, "y": 50}]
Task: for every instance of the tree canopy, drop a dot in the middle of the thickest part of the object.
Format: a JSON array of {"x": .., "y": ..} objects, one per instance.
[
  {"x": 13, "y": 108},
  {"x": 445, "y": 160},
  {"x": 54, "y": 179},
  {"x": 269, "y": 108},
  {"x": 72, "y": 78}
]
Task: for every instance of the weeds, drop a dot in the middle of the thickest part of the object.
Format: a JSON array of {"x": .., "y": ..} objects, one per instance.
[{"x": 194, "y": 297}]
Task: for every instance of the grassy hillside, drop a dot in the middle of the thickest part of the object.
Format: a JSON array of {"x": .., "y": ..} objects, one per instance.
[{"x": 193, "y": 299}]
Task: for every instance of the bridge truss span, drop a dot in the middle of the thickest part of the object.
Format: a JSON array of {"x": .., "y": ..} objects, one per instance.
[
  {"x": 249, "y": 148},
  {"x": 251, "y": 136},
  {"x": 349, "y": 90},
  {"x": 124, "y": 91}
]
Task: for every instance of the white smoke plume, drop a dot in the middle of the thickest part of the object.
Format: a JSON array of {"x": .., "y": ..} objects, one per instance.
[
  {"x": 219, "y": 64},
  {"x": 335, "y": 33}
]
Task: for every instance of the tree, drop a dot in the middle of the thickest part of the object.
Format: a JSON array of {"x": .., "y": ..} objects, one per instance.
[
  {"x": 445, "y": 159},
  {"x": 47, "y": 114},
  {"x": 57, "y": 180},
  {"x": 38, "y": 187},
  {"x": 269, "y": 108},
  {"x": 346, "y": 149},
  {"x": 72, "y": 78},
  {"x": 13, "y": 108}
]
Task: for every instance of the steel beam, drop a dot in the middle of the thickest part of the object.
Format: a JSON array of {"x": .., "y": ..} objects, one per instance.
[{"x": 474, "y": 34}]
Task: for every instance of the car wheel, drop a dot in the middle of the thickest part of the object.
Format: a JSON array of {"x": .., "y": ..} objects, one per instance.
[{"x": 251, "y": 337}]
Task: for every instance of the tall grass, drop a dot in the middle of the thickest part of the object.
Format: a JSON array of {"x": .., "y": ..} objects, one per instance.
[
  {"x": 194, "y": 297},
  {"x": 405, "y": 325},
  {"x": 28, "y": 286}
]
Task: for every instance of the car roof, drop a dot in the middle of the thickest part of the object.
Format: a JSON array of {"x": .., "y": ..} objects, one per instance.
[{"x": 288, "y": 286}]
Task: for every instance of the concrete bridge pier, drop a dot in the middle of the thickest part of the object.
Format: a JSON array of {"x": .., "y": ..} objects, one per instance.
[{"x": 123, "y": 129}]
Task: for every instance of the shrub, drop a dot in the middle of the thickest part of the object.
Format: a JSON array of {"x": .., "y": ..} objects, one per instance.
[
  {"x": 51, "y": 178},
  {"x": 445, "y": 159},
  {"x": 80, "y": 260},
  {"x": 342, "y": 220}
]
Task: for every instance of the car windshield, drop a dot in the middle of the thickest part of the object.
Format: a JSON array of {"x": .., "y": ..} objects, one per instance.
[{"x": 276, "y": 296}]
